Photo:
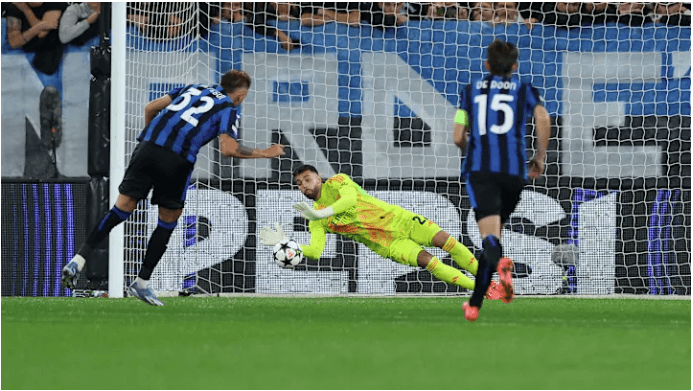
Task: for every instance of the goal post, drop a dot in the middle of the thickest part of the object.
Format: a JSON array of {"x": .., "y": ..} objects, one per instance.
[
  {"x": 117, "y": 142},
  {"x": 610, "y": 216}
]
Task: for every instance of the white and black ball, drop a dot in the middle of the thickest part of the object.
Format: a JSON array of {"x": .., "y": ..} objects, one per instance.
[{"x": 287, "y": 253}]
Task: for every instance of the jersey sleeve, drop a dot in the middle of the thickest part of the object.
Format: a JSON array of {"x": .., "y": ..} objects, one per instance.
[
  {"x": 533, "y": 99},
  {"x": 230, "y": 122},
  {"x": 464, "y": 98},
  {"x": 317, "y": 240}
]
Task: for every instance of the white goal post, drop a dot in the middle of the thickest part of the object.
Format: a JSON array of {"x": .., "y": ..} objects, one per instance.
[
  {"x": 611, "y": 216},
  {"x": 118, "y": 162}
]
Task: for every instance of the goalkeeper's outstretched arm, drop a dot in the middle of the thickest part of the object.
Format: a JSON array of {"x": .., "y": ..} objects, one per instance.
[
  {"x": 317, "y": 241},
  {"x": 271, "y": 236}
]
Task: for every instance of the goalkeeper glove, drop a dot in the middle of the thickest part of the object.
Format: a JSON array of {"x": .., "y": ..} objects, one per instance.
[
  {"x": 270, "y": 237},
  {"x": 311, "y": 214}
]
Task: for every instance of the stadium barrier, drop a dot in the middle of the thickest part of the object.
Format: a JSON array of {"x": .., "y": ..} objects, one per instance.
[
  {"x": 42, "y": 226},
  {"x": 629, "y": 242}
]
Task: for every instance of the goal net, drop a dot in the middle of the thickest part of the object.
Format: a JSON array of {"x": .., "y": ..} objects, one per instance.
[{"x": 611, "y": 215}]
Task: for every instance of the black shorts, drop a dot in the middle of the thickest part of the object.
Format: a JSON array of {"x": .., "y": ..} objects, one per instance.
[
  {"x": 494, "y": 194},
  {"x": 164, "y": 170}
]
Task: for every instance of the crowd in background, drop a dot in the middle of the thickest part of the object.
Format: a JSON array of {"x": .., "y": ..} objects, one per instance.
[
  {"x": 168, "y": 20},
  {"x": 45, "y": 28}
]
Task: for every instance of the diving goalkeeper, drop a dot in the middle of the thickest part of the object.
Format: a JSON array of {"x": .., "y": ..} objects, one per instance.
[{"x": 343, "y": 207}]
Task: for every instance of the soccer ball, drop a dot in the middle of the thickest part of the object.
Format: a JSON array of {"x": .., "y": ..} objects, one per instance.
[{"x": 287, "y": 253}]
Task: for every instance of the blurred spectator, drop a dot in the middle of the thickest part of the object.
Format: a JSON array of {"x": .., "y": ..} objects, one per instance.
[
  {"x": 560, "y": 14},
  {"x": 229, "y": 12},
  {"x": 34, "y": 28},
  {"x": 383, "y": 15},
  {"x": 288, "y": 11},
  {"x": 599, "y": 13},
  {"x": 394, "y": 9},
  {"x": 447, "y": 10},
  {"x": 161, "y": 21},
  {"x": 78, "y": 23},
  {"x": 633, "y": 14},
  {"x": 138, "y": 15},
  {"x": 174, "y": 19},
  {"x": 677, "y": 14},
  {"x": 483, "y": 12},
  {"x": 257, "y": 14},
  {"x": 207, "y": 15},
  {"x": 226, "y": 11},
  {"x": 416, "y": 11},
  {"x": 506, "y": 13},
  {"x": 317, "y": 14}
]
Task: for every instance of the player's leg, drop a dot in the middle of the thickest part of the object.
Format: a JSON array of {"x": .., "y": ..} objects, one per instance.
[
  {"x": 119, "y": 213},
  {"x": 168, "y": 220},
  {"x": 489, "y": 228},
  {"x": 170, "y": 190},
  {"x": 408, "y": 252},
  {"x": 135, "y": 186},
  {"x": 458, "y": 251},
  {"x": 427, "y": 233},
  {"x": 442, "y": 271},
  {"x": 485, "y": 197},
  {"x": 465, "y": 259},
  {"x": 511, "y": 190}
]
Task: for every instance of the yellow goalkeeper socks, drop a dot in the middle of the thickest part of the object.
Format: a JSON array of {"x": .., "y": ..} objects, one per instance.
[
  {"x": 449, "y": 274},
  {"x": 461, "y": 255}
]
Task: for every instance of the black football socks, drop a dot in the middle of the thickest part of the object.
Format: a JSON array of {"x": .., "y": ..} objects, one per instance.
[
  {"x": 487, "y": 266},
  {"x": 114, "y": 217},
  {"x": 156, "y": 247}
]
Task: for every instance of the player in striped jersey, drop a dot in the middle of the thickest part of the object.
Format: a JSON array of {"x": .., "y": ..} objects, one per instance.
[
  {"x": 492, "y": 115},
  {"x": 177, "y": 125},
  {"x": 341, "y": 206}
]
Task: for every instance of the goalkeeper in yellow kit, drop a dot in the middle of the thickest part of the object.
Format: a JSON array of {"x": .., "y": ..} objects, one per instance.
[{"x": 343, "y": 207}]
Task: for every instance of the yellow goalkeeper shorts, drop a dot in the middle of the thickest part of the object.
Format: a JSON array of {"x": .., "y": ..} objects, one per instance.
[
  {"x": 420, "y": 232},
  {"x": 420, "y": 229}
]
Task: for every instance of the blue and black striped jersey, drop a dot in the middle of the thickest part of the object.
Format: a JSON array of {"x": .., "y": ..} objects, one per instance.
[
  {"x": 196, "y": 115},
  {"x": 497, "y": 108}
]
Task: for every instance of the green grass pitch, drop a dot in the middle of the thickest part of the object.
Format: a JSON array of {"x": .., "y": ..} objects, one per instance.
[{"x": 345, "y": 343}]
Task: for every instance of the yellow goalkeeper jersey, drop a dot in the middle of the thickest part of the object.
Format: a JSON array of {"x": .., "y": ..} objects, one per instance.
[{"x": 358, "y": 216}]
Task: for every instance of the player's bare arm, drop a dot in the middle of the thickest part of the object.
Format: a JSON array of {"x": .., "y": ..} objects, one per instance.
[
  {"x": 246, "y": 151},
  {"x": 536, "y": 164},
  {"x": 153, "y": 108},
  {"x": 231, "y": 147}
]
